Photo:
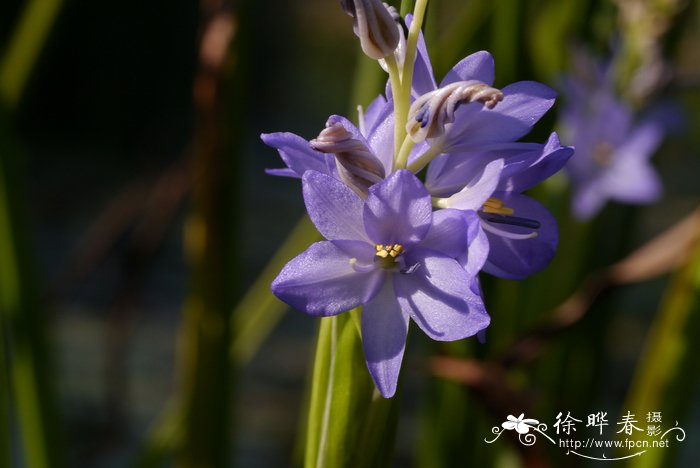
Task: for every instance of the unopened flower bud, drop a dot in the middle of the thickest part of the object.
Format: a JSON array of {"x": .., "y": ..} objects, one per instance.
[
  {"x": 430, "y": 113},
  {"x": 375, "y": 25},
  {"x": 357, "y": 166}
]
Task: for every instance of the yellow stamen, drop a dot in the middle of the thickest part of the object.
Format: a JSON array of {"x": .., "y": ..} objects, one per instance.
[
  {"x": 388, "y": 250},
  {"x": 497, "y": 206}
]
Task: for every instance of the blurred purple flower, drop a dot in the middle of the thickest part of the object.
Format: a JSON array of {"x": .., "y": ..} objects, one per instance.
[
  {"x": 392, "y": 255},
  {"x": 612, "y": 149}
]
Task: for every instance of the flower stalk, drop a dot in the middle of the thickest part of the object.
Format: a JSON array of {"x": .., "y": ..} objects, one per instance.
[
  {"x": 402, "y": 95},
  {"x": 424, "y": 159},
  {"x": 348, "y": 423}
]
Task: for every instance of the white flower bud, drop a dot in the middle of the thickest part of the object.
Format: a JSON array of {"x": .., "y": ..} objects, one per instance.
[
  {"x": 430, "y": 113},
  {"x": 375, "y": 25},
  {"x": 357, "y": 166}
]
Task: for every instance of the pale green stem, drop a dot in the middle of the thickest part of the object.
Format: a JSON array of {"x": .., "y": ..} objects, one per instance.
[
  {"x": 405, "y": 150},
  {"x": 439, "y": 202},
  {"x": 320, "y": 458},
  {"x": 402, "y": 93},
  {"x": 411, "y": 51},
  {"x": 400, "y": 106},
  {"x": 423, "y": 160}
]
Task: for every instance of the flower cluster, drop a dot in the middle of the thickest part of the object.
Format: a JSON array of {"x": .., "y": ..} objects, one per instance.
[{"x": 405, "y": 248}]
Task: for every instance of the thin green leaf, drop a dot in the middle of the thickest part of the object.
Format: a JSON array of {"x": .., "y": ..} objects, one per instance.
[
  {"x": 258, "y": 312},
  {"x": 30, "y": 386},
  {"x": 27, "y": 42}
]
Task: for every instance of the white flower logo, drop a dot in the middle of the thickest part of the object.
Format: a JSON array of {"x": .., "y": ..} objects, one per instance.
[{"x": 522, "y": 426}]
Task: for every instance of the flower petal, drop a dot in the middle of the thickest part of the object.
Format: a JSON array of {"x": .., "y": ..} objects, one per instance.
[
  {"x": 524, "y": 103},
  {"x": 375, "y": 113},
  {"x": 588, "y": 199},
  {"x": 282, "y": 172},
  {"x": 322, "y": 281},
  {"x": 449, "y": 233},
  {"x": 474, "y": 258},
  {"x": 477, "y": 191},
  {"x": 633, "y": 181},
  {"x": 641, "y": 143},
  {"x": 384, "y": 330},
  {"x": 381, "y": 137},
  {"x": 519, "y": 258},
  {"x": 477, "y": 66},
  {"x": 438, "y": 297},
  {"x": 349, "y": 126},
  {"x": 398, "y": 210},
  {"x": 449, "y": 173},
  {"x": 296, "y": 154},
  {"x": 334, "y": 208},
  {"x": 529, "y": 169}
]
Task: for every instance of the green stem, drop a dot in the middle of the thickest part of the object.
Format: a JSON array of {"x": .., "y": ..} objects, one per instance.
[
  {"x": 400, "y": 105},
  {"x": 405, "y": 150},
  {"x": 401, "y": 88},
  {"x": 30, "y": 388},
  {"x": 349, "y": 424},
  {"x": 421, "y": 161},
  {"x": 323, "y": 441},
  {"x": 411, "y": 50}
]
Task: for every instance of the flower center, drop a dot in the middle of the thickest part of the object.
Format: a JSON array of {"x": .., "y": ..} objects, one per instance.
[
  {"x": 387, "y": 254},
  {"x": 602, "y": 153}
]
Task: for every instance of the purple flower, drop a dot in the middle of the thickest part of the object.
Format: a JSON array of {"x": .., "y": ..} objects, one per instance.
[
  {"x": 483, "y": 169},
  {"x": 612, "y": 150},
  {"x": 392, "y": 255},
  {"x": 520, "y": 233},
  {"x": 472, "y": 114},
  {"x": 375, "y": 135}
]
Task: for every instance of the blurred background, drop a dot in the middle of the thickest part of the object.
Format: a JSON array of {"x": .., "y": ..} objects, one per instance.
[{"x": 136, "y": 215}]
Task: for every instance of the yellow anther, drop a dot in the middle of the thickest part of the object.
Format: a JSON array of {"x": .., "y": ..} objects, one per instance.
[
  {"x": 496, "y": 206},
  {"x": 388, "y": 250}
]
